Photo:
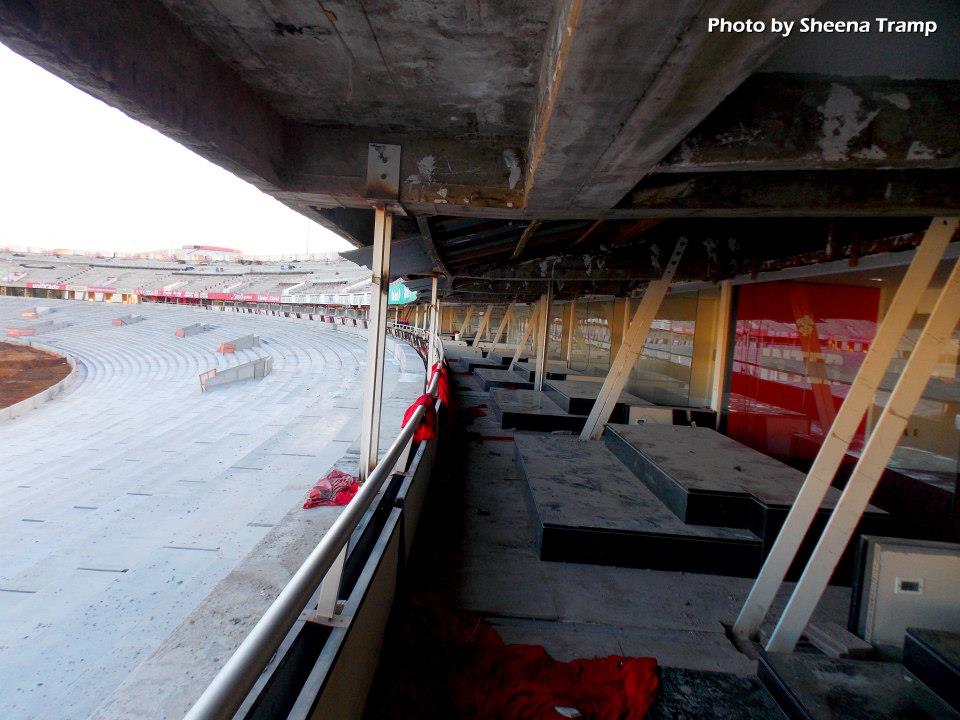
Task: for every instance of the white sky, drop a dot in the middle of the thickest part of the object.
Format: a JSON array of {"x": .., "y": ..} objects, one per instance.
[{"x": 78, "y": 174}]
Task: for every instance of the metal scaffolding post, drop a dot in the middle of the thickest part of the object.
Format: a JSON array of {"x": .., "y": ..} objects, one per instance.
[
  {"x": 845, "y": 424},
  {"x": 873, "y": 461},
  {"x": 376, "y": 343}
]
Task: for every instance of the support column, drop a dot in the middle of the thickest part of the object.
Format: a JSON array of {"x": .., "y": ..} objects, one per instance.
[
  {"x": 543, "y": 338},
  {"x": 376, "y": 344},
  {"x": 434, "y": 325},
  {"x": 569, "y": 330},
  {"x": 873, "y": 461},
  {"x": 503, "y": 324},
  {"x": 858, "y": 400},
  {"x": 484, "y": 326},
  {"x": 721, "y": 349},
  {"x": 632, "y": 347}
]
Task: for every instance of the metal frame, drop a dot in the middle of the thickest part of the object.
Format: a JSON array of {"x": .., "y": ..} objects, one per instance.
[
  {"x": 876, "y": 453},
  {"x": 844, "y": 427},
  {"x": 376, "y": 344},
  {"x": 631, "y": 348}
]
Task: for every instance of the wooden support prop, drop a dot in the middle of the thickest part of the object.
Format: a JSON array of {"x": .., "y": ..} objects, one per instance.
[
  {"x": 484, "y": 326},
  {"x": 376, "y": 344},
  {"x": 873, "y": 461},
  {"x": 842, "y": 431},
  {"x": 631, "y": 348},
  {"x": 466, "y": 320},
  {"x": 503, "y": 324},
  {"x": 543, "y": 337},
  {"x": 527, "y": 333},
  {"x": 528, "y": 232}
]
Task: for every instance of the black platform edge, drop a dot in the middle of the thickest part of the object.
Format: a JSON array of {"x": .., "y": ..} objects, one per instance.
[
  {"x": 932, "y": 668},
  {"x": 781, "y": 693},
  {"x": 531, "y": 375},
  {"x": 517, "y": 384},
  {"x": 594, "y": 546},
  {"x": 740, "y": 510},
  {"x": 530, "y": 421},
  {"x": 598, "y": 546},
  {"x": 475, "y": 363},
  {"x": 583, "y": 406},
  {"x": 660, "y": 484}
]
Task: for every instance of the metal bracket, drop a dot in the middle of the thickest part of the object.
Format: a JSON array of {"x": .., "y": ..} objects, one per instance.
[{"x": 383, "y": 172}]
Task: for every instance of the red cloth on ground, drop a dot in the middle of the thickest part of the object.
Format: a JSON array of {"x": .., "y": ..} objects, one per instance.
[
  {"x": 466, "y": 671},
  {"x": 427, "y": 429},
  {"x": 335, "y": 488}
]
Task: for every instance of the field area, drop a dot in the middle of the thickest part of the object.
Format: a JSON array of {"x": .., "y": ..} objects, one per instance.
[
  {"x": 26, "y": 371},
  {"x": 128, "y": 497}
]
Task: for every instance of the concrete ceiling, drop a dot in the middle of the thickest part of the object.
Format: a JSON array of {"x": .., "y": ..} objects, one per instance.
[{"x": 565, "y": 128}]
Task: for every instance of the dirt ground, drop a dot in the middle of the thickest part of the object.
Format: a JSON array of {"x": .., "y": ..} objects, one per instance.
[{"x": 25, "y": 371}]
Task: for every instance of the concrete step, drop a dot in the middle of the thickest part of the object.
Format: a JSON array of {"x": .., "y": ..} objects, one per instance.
[
  {"x": 815, "y": 687},
  {"x": 934, "y": 657},
  {"x": 589, "y": 508}
]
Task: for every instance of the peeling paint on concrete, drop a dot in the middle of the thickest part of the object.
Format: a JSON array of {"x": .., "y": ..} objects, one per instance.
[
  {"x": 426, "y": 166},
  {"x": 919, "y": 151},
  {"x": 512, "y": 161},
  {"x": 442, "y": 196},
  {"x": 842, "y": 121},
  {"x": 898, "y": 100},
  {"x": 871, "y": 153}
]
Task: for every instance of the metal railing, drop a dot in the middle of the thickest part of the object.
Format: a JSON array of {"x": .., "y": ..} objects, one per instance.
[{"x": 229, "y": 688}]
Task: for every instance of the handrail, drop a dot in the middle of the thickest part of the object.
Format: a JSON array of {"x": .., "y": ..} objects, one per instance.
[{"x": 231, "y": 685}]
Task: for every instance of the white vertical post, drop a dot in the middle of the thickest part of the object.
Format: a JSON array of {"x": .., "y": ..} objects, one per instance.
[
  {"x": 543, "y": 337},
  {"x": 330, "y": 587},
  {"x": 376, "y": 344},
  {"x": 434, "y": 329},
  {"x": 845, "y": 424},
  {"x": 873, "y": 461},
  {"x": 631, "y": 348},
  {"x": 570, "y": 328}
]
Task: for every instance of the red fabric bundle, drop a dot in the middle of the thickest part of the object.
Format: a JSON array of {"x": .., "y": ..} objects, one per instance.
[
  {"x": 474, "y": 675},
  {"x": 443, "y": 384},
  {"x": 427, "y": 429},
  {"x": 335, "y": 488}
]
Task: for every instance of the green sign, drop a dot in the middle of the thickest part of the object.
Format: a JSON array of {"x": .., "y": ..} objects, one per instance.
[{"x": 399, "y": 295}]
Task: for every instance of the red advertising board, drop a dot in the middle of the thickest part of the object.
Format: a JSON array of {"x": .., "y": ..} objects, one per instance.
[{"x": 797, "y": 348}]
